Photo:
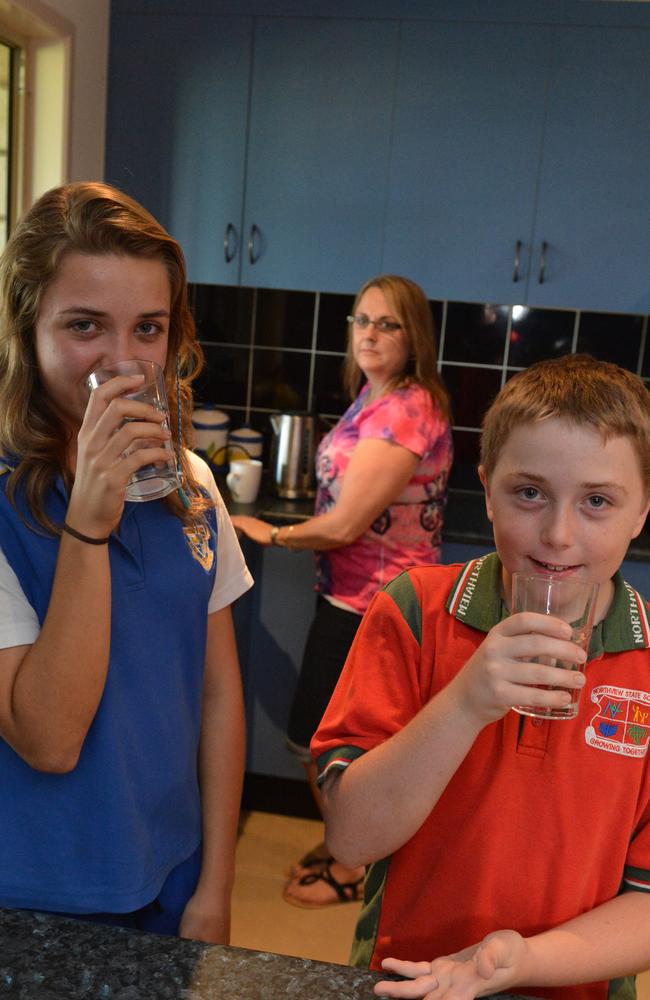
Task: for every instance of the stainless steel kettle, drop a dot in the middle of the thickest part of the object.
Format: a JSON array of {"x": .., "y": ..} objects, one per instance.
[{"x": 293, "y": 455}]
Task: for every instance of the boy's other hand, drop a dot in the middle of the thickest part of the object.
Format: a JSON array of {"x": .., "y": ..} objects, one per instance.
[
  {"x": 493, "y": 965},
  {"x": 502, "y": 674}
]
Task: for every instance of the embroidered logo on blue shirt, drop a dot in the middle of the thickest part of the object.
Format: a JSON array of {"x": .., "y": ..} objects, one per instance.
[{"x": 197, "y": 537}]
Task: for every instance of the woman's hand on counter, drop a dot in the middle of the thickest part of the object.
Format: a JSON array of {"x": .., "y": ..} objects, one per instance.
[
  {"x": 253, "y": 527},
  {"x": 377, "y": 473}
]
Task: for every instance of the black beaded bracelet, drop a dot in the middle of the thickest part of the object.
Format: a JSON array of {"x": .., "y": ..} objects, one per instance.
[{"x": 84, "y": 538}]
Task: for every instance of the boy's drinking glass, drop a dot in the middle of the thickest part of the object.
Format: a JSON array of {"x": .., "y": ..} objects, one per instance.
[
  {"x": 574, "y": 601},
  {"x": 150, "y": 482}
]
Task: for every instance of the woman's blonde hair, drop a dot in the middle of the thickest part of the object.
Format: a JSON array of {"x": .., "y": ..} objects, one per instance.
[
  {"x": 577, "y": 388},
  {"x": 410, "y": 307},
  {"x": 87, "y": 218}
]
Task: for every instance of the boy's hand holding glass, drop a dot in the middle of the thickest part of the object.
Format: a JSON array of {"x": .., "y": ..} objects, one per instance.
[
  {"x": 574, "y": 602},
  {"x": 518, "y": 664}
]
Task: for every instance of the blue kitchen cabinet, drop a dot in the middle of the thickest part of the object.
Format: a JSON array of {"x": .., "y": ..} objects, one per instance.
[
  {"x": 271, "y": 624},
  {"x": 261, "y": 143},
  {"x": 475, "y": 157},
  {"x": 319, "y": 136},
  {"x": 467, "y": 139},
  {"x": 520, "y": 164},
  {"x": 592, "y": 208},
  {"x": 176, "y": 129}
]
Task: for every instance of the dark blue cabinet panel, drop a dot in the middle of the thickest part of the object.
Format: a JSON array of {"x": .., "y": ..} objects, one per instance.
[
  {"x": 466, "y": 146},
  {"x": 305, "y": 150},
  {"x": 523, "y": 152},
  {"x": 176, "y": 128},
  {"x": 592, "y": 208},
  {"x": 323, "y": 150},
  {"x": 271, "y": 622},
  {"x": 318, "y": 149}
]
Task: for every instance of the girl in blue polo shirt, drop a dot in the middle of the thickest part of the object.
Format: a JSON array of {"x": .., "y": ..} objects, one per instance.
[{"x": 121, "y": 721}]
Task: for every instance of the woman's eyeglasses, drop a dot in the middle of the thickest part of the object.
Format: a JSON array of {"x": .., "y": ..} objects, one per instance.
[{"x": 382, "y": 325}]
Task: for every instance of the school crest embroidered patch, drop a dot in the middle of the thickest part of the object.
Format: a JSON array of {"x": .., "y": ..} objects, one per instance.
[
  {"x": 621, "y": 724},
  {"x": 198, "y": 540}
]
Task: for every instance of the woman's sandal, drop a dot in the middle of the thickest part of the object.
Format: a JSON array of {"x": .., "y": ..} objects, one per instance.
[
  {"x": 345, "y": 892},
  {"x": 315, "y": 856},
  {"x": 315, "y": 859}
]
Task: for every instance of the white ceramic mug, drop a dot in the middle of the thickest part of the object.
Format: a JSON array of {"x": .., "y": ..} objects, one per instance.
[{"x": 244, "y": 479}]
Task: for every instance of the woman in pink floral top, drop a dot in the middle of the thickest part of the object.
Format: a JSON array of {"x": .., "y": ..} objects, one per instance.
[
  {"x": 407, "y": 532},
  {"x": 382, "y": 473}
]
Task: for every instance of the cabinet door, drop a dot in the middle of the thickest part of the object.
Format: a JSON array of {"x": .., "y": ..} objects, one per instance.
[
  {"x": 465, "y": 152},
  {"x": 593, "y": 198},
  {"x": 176, "y": 129},
  {"x": 318, "y": 149},
  {"x": 271, "y": 635}
]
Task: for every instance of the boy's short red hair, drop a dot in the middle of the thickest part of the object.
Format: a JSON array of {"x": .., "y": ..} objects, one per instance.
[{"x": 578, "y": 388}]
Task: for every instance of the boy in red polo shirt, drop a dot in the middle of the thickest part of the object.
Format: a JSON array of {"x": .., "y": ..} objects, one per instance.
[{"x": 474, "y": 818}]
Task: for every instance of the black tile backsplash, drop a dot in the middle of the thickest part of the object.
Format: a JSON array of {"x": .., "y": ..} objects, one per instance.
[
  {"x": 280, "y": 380},
  {"x": 224, "y": 379},
  {"x": 437, "y": 308},
  {"x": 536, "y": 334},
  {"x": 285, "y": 319},
  {"x": 476, "y": 333},
  {"x": 279, "y": 350},
  {"x": 611, "y": 337},
  {"x": 223, "y": 314},
  {"x": 471, "y": 390},
  {"x": 328, "y": 393},
  {"x": 466, "y": 457},
  {"x": 332, "y": 324}
]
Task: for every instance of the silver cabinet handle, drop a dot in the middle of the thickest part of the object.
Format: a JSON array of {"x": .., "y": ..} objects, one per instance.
[
  {"x": 542, "y": 263},
  {"x": 517, "y": 262},
  {"x": 230, "y": 243},
  {"x": 252, "y": 239}
]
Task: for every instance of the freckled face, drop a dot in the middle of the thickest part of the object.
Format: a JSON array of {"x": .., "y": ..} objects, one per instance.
[
  {"x": 99, "y": 308},
  {"x": 563, "y": 501}
]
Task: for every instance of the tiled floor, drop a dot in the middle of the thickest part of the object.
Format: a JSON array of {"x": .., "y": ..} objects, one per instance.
[{"x": 267, "y": 846}]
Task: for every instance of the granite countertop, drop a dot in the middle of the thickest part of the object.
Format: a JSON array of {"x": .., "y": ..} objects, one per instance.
[
  {"x": 44, "y": 957},
  {"x": 465, "y": 517}
]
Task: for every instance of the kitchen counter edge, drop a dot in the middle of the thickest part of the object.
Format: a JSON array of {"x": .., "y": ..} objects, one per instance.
[{"x": 43, "y": 955}]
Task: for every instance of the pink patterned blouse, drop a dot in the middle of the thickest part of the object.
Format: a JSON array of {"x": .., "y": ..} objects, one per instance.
[{"x": 408, "y": 532}]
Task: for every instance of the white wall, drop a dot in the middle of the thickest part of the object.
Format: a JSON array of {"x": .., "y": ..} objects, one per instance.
[{"x": 88, "y": 95}]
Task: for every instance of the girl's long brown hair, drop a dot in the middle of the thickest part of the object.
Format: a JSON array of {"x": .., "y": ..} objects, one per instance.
[
  {"x": 410, "y": 306},
  {"x": 90, "y": 218}
]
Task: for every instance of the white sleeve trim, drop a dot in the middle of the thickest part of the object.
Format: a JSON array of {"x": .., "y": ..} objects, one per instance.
[
  {"x": 233, "y": 577},
  {"x": 19, "y": 624}
]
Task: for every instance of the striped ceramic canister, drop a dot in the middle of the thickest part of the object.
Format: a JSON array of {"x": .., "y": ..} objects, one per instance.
[
  {"x": 244, "y": 442},
  {"x": 211, "y": 434}
]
